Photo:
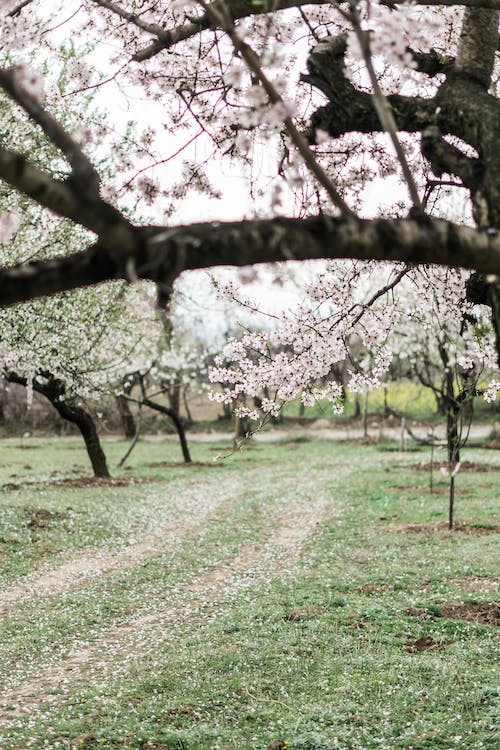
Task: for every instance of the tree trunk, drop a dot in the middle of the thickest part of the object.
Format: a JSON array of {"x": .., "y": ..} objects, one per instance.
[
  {"x": 126, "y": 417},
  {"x": 365, "y": 414},
  {"x": 179, "y": 426},
  {"x": 71, "y": 411},
  {"x": 451, "y": 502},
  {"x": 189, "y": 416},
  {"x": 357, "y": 406},
  {"x": 226, "y": 411},
  {"x": 174, "y": 398},
  {"x": 75, "y": 413}
]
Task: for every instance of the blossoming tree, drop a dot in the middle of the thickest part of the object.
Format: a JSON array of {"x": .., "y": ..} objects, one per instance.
[{"x": 337, "y": 95}]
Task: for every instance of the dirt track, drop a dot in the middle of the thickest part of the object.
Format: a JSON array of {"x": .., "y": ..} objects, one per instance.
[{"x": 277, "y": 549}]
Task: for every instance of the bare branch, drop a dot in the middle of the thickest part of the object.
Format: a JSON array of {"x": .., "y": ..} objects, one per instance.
[
  {"x": 253, "y": 63},
  {"x": 150, "y": 28}
]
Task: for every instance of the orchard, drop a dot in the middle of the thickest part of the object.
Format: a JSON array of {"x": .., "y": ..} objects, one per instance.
[{"x": 268, "y": 231}]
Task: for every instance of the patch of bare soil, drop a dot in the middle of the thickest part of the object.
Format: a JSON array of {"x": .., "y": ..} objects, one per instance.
[
  {"x": 375, "y": 588},
  {"x": 425, "y": 490},
  {"x": 295, "y": 615},
  {"x": 464, "y": 466},
  {"x": 40, "y": 518},
  {"x": 97, "y": 481},
  {"x": 485, "y": 613},
  {"x": 82, "y": 482},
  {"x": 182, "y": 464},
  {"x": 173, "y": 715},
  {"x": 442, "y": 526},
  {"x": 365, "y": 440},
  {"x": 358, "y": 623},
  {"x": 425, "y": 643},
  {"x": 254, "y": 562},
  {"x": 484, "y": 583}
]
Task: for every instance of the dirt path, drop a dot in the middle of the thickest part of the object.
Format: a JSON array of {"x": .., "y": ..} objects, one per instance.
[
  {"x": 91, "y": 563},
  {"x": 254, "y": 563},
  {"x": 321, "y": 430}
]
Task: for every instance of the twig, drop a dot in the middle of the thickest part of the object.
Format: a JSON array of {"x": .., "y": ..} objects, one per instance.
[
  {"x": 252, "y": 61},
  {"x": 383, "y": 108},
  {"x": 134, "y": 439}
]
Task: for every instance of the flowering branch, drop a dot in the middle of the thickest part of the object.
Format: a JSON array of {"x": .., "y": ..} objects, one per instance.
[
  {"x": 13, "y": 82},
  {"x": 244, "y": 8},
  {"x": 150, "y": 28},
  {"x": 382, "y": 107},
  {"x": 252, "y": 61}
]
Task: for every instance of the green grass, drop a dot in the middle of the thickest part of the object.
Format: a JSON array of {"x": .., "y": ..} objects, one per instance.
[{"x": 311, "y": 659}]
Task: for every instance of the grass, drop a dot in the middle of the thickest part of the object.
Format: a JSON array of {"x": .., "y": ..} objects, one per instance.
[
  {"x": 403, "y": 396},
  {"x": 313, "y": 654}
]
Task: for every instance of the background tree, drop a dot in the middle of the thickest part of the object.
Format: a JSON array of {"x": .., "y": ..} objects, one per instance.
[{"x": 449, "y": 346}]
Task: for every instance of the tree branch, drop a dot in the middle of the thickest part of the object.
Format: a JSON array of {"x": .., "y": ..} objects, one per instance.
[
  {"x": 150, "y": 28},
  {"x": 165, "y": 252},
  {"x": 64, "y": 199},
  {"x": 83, "y": 172},
  {"x": 350, "y": 109},
  {"x": 446, "y": 158},
  {"x": 432, "y": 63}
]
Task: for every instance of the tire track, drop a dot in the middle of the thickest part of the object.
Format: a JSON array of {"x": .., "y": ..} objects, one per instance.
[
  {"x": 254, "y": 563},
  {"x": 91, "y": 563}
]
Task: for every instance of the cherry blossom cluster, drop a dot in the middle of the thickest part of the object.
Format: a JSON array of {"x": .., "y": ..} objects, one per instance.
[{"x": 353, "y": 317}]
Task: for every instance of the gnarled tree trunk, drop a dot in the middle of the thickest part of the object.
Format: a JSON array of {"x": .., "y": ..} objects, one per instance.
[{"x": 72, "y": 411}]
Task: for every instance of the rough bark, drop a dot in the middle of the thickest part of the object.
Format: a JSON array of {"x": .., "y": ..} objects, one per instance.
[
  {"x": 165, "y": 253},
  {"x": 71, "y": 411}
]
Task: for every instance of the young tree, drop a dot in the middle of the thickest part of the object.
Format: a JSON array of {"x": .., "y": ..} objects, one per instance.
[
  {"x": 450, "y": 349},
  {"x": 229, "y": 71}
]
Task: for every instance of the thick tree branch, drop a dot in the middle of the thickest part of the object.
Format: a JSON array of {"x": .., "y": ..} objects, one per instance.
[
  {"x": 18, "y": 8},
  {"x": 446, "y": 158},
  {"x": 350, "y": 109},
  {"x": 432, "y": 63},
  {"x": 166, "y": 252},
  {"x": 65, "y": 199},
  {"x": 238, "y": 9}
]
